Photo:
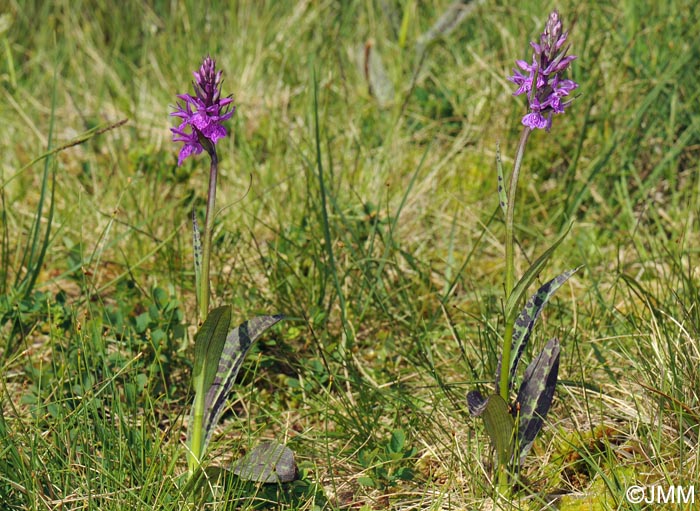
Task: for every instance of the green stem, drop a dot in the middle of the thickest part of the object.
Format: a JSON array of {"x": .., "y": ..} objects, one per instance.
[
  {"x": 502, "y": 482},
  {"x": 194, "y": 455},
  {"x": 503, "y": 386},
  {"x": 206, "y": 237}
]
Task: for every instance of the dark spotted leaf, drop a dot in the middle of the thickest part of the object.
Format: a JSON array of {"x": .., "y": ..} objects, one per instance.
[
  {"x": 526, "y": 321},
  {"x": 268, "y": 462},
  {"x": 238, "y": 343},
  {"x": 476, "y": 403},
  {"x": 218, "y": 355},
  {"x": 502, "y": 195},
  {"x": 536, "y": 394},
  {"x": 524, "y": 283}
]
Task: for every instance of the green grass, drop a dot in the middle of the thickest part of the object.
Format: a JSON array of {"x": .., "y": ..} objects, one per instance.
[{"x": 373, "y": 228}]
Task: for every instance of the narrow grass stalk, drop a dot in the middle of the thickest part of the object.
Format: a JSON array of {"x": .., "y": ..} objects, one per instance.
[{"x": 348, "y": 339}]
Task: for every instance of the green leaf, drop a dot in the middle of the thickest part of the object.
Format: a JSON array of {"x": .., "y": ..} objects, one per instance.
[
  {"x": 524, "y": 283},
  {"x": 498, "y": 422},
  {"x": 268, "y": 462},
  {"x": 536, "y": 394},
  {"x": 236, "y": 347},
  {"x": 209, "y": 345},
  {"x": 526, "y": 321},
  {"x": 154, "y": 312},
  {"x": 404, "y": 473},
  {"x": 160, "y": 296},
  {"x": 499, "y": 425},
  {"x": 141, "y": 323},
  {"x": 158, "y": 336},
  {"x": 398, "y": 439},
  {"x": 366, "y": 481}
]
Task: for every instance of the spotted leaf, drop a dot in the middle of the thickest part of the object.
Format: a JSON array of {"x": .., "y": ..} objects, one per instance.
[
  {"x": 536, "y": 394},
  {"x": 526, "y": 321}
]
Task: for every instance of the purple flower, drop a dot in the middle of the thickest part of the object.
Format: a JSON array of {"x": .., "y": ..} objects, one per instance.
[
  {"x": 203, "y": 113},
  {"x": 543, "y": 83}
]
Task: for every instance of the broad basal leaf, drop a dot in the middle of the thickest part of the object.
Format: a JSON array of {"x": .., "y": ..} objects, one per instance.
[
  {"x": 236, "y": 347},
  {"x": 498, "y": 422},
  {"x": 499, "y": 425},
  {"x": 526, "y": 321},
  {"x": 208, "y": 345},
  {"x": 269, "y": 462},
  {"x": 536, "y": 394}
]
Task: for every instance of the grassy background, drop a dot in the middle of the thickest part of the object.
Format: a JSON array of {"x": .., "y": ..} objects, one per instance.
[{"x": 398, "y": 317}]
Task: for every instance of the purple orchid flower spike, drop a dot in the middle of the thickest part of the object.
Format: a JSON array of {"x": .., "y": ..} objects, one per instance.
[
  {"x": 204, "y": 113},
  {"x": 543, "y": 82}
]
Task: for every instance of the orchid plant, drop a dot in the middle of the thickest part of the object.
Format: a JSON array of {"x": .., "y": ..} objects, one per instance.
[
  {"x": 513, "y": 426},
  {"x": 219, "y": 347}
]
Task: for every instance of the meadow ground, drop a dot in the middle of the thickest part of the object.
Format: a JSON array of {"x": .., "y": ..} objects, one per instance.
[{"x": 358, "y": 197}]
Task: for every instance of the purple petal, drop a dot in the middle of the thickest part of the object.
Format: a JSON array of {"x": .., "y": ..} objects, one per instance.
[
  {"x": 563, "y": 87},
  {"x": 534, "y": 120},
  {"x": 187, "y": 150},
  {"x": 214, "y": 132},
  {"x": 525, "y": 66},
  {"x": 559, "y": 64},
  {"x": 560, "y": 42}
]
